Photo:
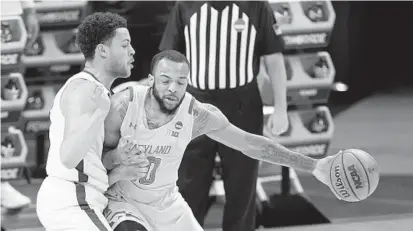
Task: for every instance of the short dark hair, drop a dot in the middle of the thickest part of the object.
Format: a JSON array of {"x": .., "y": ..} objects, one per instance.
[
  {"x": 171, "y": 55},
  {"x": 97, "y": 28}
]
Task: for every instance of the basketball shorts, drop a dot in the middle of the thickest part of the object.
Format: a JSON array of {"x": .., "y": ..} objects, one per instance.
[
  {"x": 176, "y": 217},
  {"x": 64, "y": 205}
]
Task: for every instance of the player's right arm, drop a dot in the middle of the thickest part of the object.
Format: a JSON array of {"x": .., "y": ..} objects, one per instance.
[
  {"x": 84, "y": 106},
  {"x": 118, "y": 149},
  {"x": 114, "y": 146},
  {"x": 121, "y": 156},
  {"x": 209, "y": 120}
]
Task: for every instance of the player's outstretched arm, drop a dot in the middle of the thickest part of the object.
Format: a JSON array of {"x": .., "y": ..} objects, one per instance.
[
  {"x": 84, "y": 107},
  {"x": 209, "y": 120}
]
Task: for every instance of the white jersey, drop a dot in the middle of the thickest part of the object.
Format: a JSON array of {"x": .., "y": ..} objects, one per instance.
[
  {"x": 90, "y": 171},
  {"x": 164, "y": 147}
]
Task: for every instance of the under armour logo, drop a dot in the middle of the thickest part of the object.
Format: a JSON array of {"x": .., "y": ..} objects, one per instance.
[{"x": 131, "y": 125}]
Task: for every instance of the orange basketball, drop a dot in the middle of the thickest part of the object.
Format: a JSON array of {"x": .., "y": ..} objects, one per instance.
[{"x": 354, "y": 175}]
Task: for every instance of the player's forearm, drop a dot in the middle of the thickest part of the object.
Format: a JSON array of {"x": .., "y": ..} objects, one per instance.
[
  {"x": 115, "y": 175},
  {"x": 267, "y": 150},
  {"x": 75, "y": 146},
  {"x": 262, "y": 148},
  {"x": 275, "y": 67},
  {"x": 111, "y": 159}
]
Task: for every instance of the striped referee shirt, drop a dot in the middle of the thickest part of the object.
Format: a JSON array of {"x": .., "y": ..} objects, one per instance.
[{"x": 223, "y": 41}]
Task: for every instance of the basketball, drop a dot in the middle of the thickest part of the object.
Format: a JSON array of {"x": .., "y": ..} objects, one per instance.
[{"x": 354, "y": 175}]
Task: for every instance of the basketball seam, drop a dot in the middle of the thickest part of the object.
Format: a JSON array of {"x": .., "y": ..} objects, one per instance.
[
  {"x": 331, "y": 179},
  {"x": 367, "y": 175},
  {"x": 345, "y": 174}
]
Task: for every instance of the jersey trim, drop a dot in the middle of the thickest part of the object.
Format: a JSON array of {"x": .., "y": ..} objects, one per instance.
[
  {"x": 82, "y": 177},
  {"x": 81, "y": 200},
  {"x": 191, "y": 105},
  {"x": 130, "y": 94}
]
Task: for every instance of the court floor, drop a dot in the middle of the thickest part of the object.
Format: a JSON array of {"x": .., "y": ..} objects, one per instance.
[{"x": 382, "y": 125}]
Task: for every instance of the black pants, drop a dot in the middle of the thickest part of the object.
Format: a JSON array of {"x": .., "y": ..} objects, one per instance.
[{"x": 243, "y": 107}]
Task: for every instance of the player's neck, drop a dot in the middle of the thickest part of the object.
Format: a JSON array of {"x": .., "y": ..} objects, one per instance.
[{"x": 100, "y": 74}]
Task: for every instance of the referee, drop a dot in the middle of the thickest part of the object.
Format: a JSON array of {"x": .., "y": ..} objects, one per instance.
[{"x": 224, "y": 42}]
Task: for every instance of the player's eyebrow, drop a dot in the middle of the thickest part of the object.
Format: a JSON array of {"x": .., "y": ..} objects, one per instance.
[
  {"x": 164, "y": 75},
  {"x": 128, "y": 40}
]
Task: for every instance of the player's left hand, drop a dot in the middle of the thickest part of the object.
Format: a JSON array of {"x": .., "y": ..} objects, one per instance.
[
  {"x": 129, "y": 151},
  {"x": 322, "y": 169},
  {"x": 278, "y": 122}
]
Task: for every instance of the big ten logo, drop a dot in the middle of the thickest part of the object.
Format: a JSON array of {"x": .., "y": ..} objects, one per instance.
[
  {"x": 355, "y": 176},
  {"x": 339, "y": 183},
  {"x": 10, "y": 173},
  {"x": 59, "y": 17},
  {"x": 311, "y": 150},
  {"x": 173, "y": 133},
  {"x": 9, "y": 59},
  {"x": 314, "y": 38}
]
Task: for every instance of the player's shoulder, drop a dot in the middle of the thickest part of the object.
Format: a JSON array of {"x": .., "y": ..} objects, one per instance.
[
  {"x": 77, "y": 88},
  {"x": 127, "y": 95},
  {"x": 201, "y": 109},
  {"x": 139, "y": 88}
]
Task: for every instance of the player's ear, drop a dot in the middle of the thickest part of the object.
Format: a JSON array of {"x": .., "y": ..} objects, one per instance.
[
  {"x": 102, "y": 50},
  {"x": 151, "y": 80}
]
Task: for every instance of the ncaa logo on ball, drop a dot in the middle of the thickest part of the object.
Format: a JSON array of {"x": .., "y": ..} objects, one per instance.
[{"x": 355, "y": 176}]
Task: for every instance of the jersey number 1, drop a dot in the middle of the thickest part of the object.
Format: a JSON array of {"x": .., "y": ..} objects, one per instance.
[{"x": 150, "y": 175}]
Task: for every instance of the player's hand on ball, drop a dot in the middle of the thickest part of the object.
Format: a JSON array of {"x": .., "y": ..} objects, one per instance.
[
  {"x": 352, "y": 174},
  {"x": 322, "y": 169}
]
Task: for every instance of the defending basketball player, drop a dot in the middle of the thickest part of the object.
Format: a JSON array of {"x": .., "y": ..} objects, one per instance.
[
  {"x": 163, "y": 118},
  {"x": 72, "y": 196}
]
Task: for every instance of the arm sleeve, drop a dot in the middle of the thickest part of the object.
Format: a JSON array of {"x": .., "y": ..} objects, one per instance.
[
  {"x": 270, "y": 40},
  {"x": 173, "y": 36}
]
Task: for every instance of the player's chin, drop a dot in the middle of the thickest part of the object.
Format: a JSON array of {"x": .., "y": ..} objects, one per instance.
[
  {"x": 170, "y": 106},
  {"x": 125, "y": 74}
]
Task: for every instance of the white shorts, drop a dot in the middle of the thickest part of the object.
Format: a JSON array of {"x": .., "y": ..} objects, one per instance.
[
  {"x": 177, "y": 217},
  {"x": 64, "y": 205}
]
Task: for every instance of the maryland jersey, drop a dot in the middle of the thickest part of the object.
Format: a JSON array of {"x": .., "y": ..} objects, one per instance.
[
  {"x": 163, "y": 146},
  {"x": 90, "y": 171}
]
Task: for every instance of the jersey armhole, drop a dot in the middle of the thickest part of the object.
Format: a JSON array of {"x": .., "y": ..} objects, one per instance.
[
  {"x": 191, "y": 105},
  {"x": 130, "y": 94}
]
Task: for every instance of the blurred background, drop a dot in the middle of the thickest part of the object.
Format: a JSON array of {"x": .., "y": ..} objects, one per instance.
[{"x": 350, "y": 85}]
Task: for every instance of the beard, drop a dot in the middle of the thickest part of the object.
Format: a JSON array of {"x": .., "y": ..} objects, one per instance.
[{"x": 162, "y": 106}]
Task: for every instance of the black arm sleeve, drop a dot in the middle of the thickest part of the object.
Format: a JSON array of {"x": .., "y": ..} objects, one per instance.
[
  {"x": 173, "y": 37},
  {"x": 270, "y": 40}
]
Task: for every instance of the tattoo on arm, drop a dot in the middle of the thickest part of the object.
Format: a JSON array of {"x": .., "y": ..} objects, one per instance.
[
  {"x": 202, "y": 118},
  {"x": 275, "y": 153}
]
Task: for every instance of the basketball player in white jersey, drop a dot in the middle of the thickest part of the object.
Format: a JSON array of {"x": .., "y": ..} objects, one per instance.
[
  {"x": 72, "y": 196},
  {"x": 163, "y": 118}
]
